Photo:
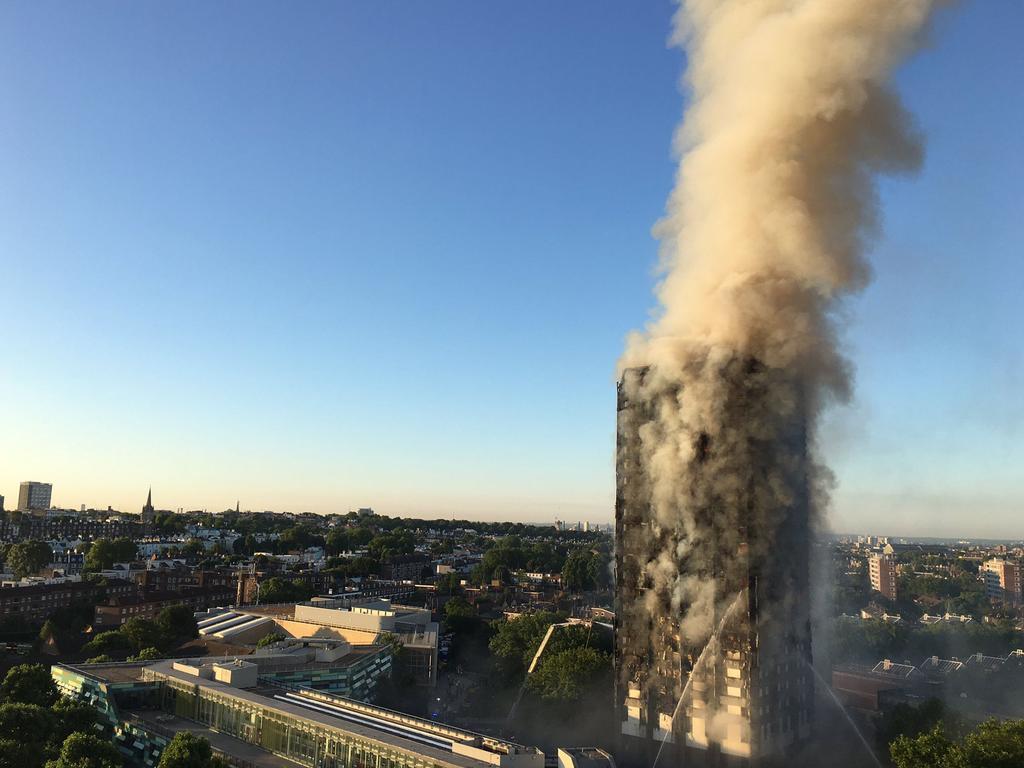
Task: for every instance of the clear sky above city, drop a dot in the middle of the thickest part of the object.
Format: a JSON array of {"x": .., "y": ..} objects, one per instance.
[{"x": 328, "y": 255}]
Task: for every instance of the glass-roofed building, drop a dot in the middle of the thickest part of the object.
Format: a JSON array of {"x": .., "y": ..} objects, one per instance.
[{"x": 256, "y": 720}]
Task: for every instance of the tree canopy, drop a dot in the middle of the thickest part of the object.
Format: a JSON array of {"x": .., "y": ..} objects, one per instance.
[
  {"x": 178, "y": 621},
  {"x": 110, "y": 642},
  {"x": 105, "y": 552},
  {"x": 187, "y": 750},
  {"x": 585, "y": 570},
  {"x": 569, "y": 665},
  {"x": 28, "y": 557},
  {"x": 993, "y": 744},
  {"x": 142, "y": 632},
  {"x": 565, "y": 675},
  {"x": 397, "y": 542},
  {"x": 29, "y": 722},
  {"x": 83, "y": 750},
  {"x": 29, "y": 684},
  {"x": 269, "y": 639},
  {"x": 280, "y": 590},
  {"x": 147, "y": 654}
]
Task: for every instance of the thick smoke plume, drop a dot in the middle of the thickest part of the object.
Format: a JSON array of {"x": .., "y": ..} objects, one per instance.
[{"x": 790, "y": 118}]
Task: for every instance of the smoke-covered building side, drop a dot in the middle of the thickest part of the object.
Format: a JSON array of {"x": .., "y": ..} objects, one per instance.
[{"x": 713, "y": 644}]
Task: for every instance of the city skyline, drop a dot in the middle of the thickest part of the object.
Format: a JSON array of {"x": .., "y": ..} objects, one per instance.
[{"x": 339, "y": 307}]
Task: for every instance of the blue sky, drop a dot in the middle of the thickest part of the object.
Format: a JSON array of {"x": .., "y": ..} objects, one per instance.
[{"x": 343, "y": 254}]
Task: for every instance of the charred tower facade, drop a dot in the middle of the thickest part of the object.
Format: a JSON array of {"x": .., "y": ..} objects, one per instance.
[{"x": 713, "y": 644}]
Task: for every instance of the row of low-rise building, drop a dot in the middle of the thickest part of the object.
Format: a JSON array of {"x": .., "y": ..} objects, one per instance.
[
  {"x": 892, "y": 618},
  {"x": 34, "y": 603},
  {"x": 985, "y": 685},
  {"x": 70, "y": 527}
]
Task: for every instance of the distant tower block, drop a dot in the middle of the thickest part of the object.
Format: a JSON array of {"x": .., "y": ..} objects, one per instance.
[
  {"x": 34, "y": 497},
  {"x": 882, "y": 571}
]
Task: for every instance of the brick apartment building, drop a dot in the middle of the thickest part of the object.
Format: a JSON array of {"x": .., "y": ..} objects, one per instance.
[
  {"x": 67, "y": 528},
  {"x": 1003, "y": 580},
  {"x": 405, "y": 567},
  {"x": 36, "y": 602},
  {"x": 118, "y": 610},
  {"x": 882, "y": 569}
]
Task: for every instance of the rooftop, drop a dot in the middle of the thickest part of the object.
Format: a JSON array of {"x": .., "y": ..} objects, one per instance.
[
  {"x": 891, "y": 669},
  {"x": 941, "y": 666},
  {"x": 113, "y": 672}
]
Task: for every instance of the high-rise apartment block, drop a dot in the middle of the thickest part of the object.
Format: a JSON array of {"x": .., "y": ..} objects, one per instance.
[
  {"x": 744, "y": 694},
  {"x": 34, "y": 496},
  {"x": 882, "y": 571},
  {"x": 1003, "y": 580}
]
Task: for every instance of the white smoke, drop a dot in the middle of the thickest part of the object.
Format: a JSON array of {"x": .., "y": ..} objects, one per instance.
[{"x": 790, "y": 118}]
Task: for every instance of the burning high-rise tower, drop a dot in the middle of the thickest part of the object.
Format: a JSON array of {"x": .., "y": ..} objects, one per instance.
[
  {"x": 713, "y": 646},
  {"x": 789, "y": 119}
]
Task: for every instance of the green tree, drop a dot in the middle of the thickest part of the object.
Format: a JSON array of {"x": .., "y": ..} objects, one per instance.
[
  {"x": 298, "y": 538},
  {"x": 515, "y": 641},
  {"x": 29, "y": 684},
  {"x": 105, "y": 643},
  {"x": 576, "y": 573},
  {"x": 28, "y": 557},
  {"x": 279, "y": 590},
  {"x": 147, "y": 654},
  {"x": 392, "y": 641},
  {"x": 186, "y": 750},
  {"x": 83, "y": 750},
  {"x": 105, "y": 552},
  {"x": 360, "y": 537},
  {"x": 194, "y": 548},
  {"x": 337, "y": 541},
  {"x": 178, "y": 623},
  {"x": 542, "y": 557},
  {"x": 71, "y": 716},
  {"x": 142, "y": 632},
  {"x": 269, "y": 639},
  {"x": 15, "y": 753},
  {"x": 926, "y": 750},
  {"x": 101, "y": 659},
  {"x": 993, "y": 744},
  {"x": 362, "y": 566},
  {"x": 31, "y": 723},
  {"x": 907, "y": 720},
  {"x": 459, "y": 614},
  {"x": 449, "y": 584},
  {"x": 600, "y": 570},
  {"x": 396, "y": 542},
  {"x": 566, "y": 675},
  {"x": 48, "y": 630}
]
